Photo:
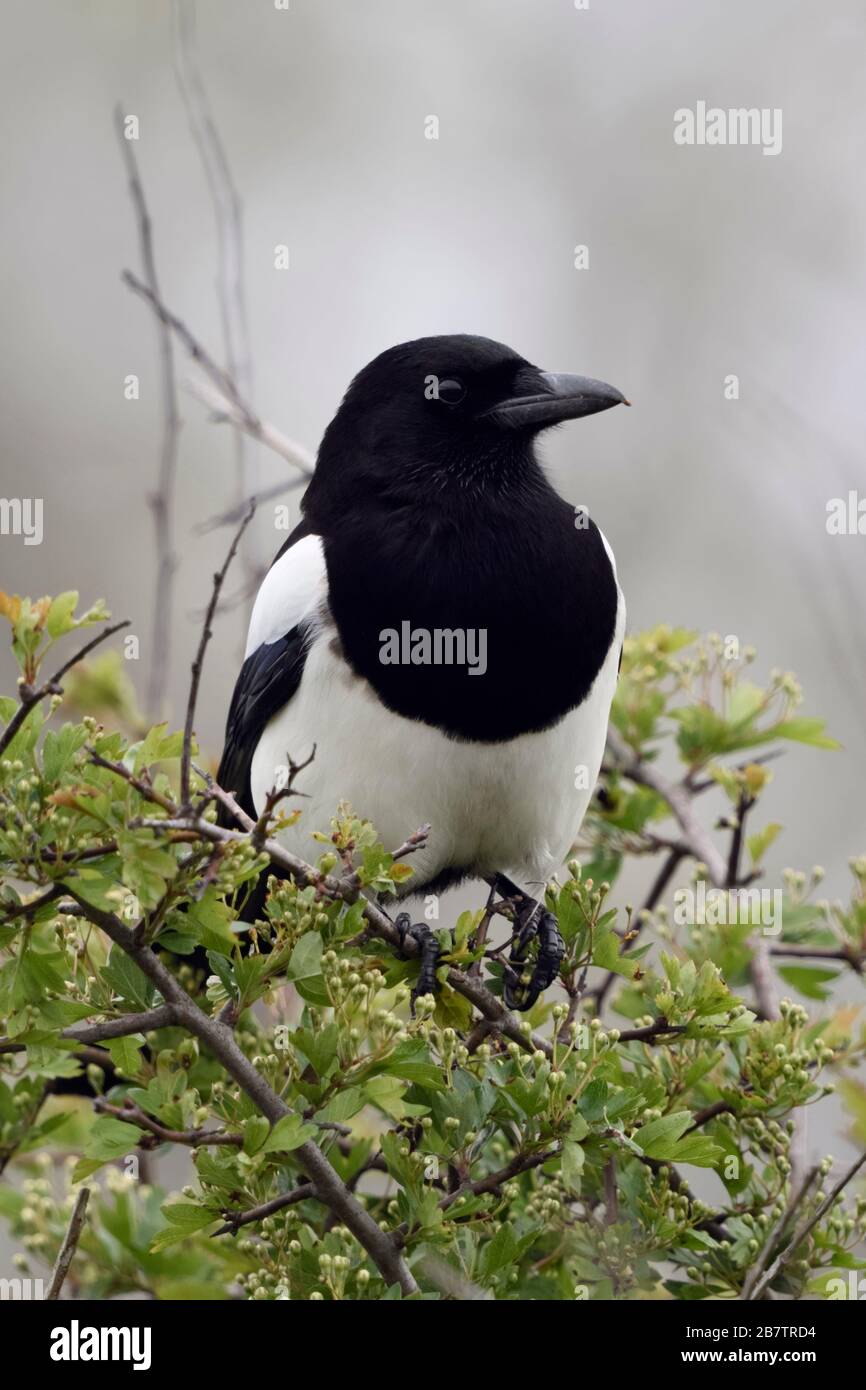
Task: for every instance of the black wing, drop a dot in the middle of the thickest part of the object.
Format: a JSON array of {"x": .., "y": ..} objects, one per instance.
[{"x": 268, "y": 679}]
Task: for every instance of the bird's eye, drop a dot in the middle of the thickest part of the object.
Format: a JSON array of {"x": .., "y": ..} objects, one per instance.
[{"x": 451, "y": 391}]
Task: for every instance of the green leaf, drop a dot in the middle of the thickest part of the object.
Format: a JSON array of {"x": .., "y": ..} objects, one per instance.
[
  {"x": 211, "y": 920},
  {"x": 804, "y": 730},
  {"x": 126, "y": 1053},
  {"x": 59, "y": 620},
  {"x": 759, "y": 844},
  {"x": 809, "y": 980},
  {"x": 111, "y": 1138},
  {"x": 573, "y": 1159},
  {"x": 130, "y": 983},
  {"x": 498, "y": 1252},
  {"x": 157, "y": 747},
  {"x": 187, "y": 1215},
  {"x": 698, "y": 1150},
  {"x": 256, "y": 1131},
  {"x": 658, "y": 1138},
  {"x": 288, "y": 1133},
  {"x": 306, "y": 958},
  {"x": 411, "y": 1061}
]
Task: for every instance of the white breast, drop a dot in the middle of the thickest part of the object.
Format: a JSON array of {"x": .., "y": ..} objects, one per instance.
[{"x": 513, "y": 807}]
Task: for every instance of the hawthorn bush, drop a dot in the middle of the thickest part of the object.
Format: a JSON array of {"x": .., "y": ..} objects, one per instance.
[{"x": 340, "y": 1145}]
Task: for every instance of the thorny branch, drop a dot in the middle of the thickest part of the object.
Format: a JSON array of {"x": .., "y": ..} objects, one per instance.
[
  {"x": 69, "y": 1246},
  {"x": 700, "y": 845},
  {"x": 804, "y": 1230},
  {"x": 198, "y": 663},
  {"x": 224, "y": 395},
  {"x": 162, "y": 500},
  {"x": 32, "y": 696}
]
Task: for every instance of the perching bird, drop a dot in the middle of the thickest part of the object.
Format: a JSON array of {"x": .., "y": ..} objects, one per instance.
[{"x": 442, "y": 626}]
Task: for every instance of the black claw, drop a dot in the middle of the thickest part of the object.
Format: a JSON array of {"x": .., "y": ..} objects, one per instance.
[
  {"x": 551, "y": 949},
  {"x": 428, "y": 951}
]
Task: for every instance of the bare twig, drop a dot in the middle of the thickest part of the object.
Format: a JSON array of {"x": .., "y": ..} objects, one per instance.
[
  {"x": 234, "y": 411},
  {"x": 227, "y": 212},
  {"x": 69, "y": 1246},
  {"x": 700, "y": 845},
  {"x": 657, "y": 888},
  {"x": 678, "y": 798},
  {"x": 521, "y": 1163},
  {"x": 236, "y": 1219},
  {"x": 412, "y": 843},
  {"x": 191, "y": 1138},
  {"x": 31, "y": 696},
  {"x": 161, "y": 1017},
  {"x": 233, "y": 515},
  {"x": 162, "y": 500},
  {"x": 231, "y": 403},
  {"x": 806, "y": 1227},
  {"x": 220, "y": 1040},
  {"x": 275, "y": 796},
  {"x": 771, "y": 1242},
  {"x": 198, "y": 663}
]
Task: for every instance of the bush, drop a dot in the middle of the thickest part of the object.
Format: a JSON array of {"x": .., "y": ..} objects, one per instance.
[{"x": 342, "y": 1148}]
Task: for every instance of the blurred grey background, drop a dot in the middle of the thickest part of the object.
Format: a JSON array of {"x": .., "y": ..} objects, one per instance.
[{"x": 555, "y": 129}]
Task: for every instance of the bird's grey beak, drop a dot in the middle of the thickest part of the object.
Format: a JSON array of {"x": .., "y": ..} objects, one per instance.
[{"x": 553, "y": 397}]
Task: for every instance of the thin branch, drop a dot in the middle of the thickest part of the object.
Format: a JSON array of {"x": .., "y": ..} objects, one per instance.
[
  {"x": 236, "y": 1219},
  {"x": 701, "y": 846},
  {"x": 226, "y": 410},
  {"x": 70, "y": 1245},
  {"x": 679, "y": 799},
  {"x": 142, "y": 787},
  {"x": 31, "y": 696},
  {"x": 771, "y": 1242},
  {"x": 228, "y": 399},
  {"x": 227, "y": 211},
  {"x": 657, "y": 888},
  {"x": 198, "y": 663},
  {"x": 412, "y": 843},
  {"x": 192, "y": 1138},
  {"x": 521, "y": 1163},
  {"x": 744, "y": 805},
  {"x": 234, "y": 514},
  {"x": 805, "y": 1229},
  {"x": 162, "y": 500},
  {"x": 651, "y": 1033},
  {"x": 220, "y": 1040},
  {"x": 147, "y": 1022},
  {"x": 275, "y": 796},
  {"x": 850, "y": 957},
  {"x": 123, "y": 1027}
]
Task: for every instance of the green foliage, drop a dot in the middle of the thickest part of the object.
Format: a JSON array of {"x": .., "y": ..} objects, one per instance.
[{"x": 551, "y": 1161}]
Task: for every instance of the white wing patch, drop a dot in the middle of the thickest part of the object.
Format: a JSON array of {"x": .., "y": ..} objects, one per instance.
[{"x": 290, "y": 591}]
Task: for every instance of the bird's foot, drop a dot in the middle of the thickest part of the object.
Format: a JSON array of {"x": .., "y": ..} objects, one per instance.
[
  {"x": 428, "y": 955},
  {"x": 532, "y": 923}
]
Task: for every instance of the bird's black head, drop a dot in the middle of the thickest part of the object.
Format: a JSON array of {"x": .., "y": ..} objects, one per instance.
[{"x": 439, "y": 415}]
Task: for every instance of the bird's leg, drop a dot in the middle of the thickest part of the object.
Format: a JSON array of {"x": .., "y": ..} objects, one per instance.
[
  {"x": 532, "y": 922},
  {"x": 428, "y": 953}
]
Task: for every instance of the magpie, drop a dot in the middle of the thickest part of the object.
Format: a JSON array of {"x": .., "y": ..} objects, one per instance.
[{"x": 442, "y": 627}]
